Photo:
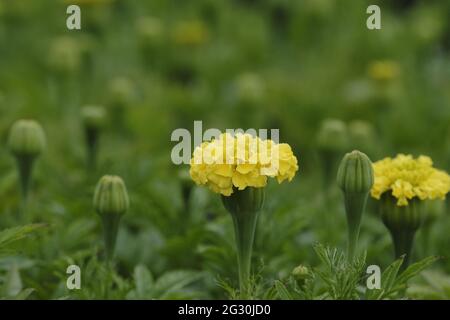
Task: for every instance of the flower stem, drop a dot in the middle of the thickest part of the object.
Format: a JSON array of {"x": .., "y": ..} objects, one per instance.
[
  {"x": 354, "y": 207},
  {"x": 244, "y": 229},
  {"x": 110, "y": 230},
  {"x": 92, "y": 148},
  {"x": 403, "y": 243},
  {"x": 25, "y": 170}
]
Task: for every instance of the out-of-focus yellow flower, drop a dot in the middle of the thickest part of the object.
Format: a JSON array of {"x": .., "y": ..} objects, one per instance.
[
  {"x": 241, "y": 161},
  {"x": 383, "y": 70},
  {"x": 406, "y": 178},
  {"x": 191, "y": 33},
  {"x": 88, "y": 2}
]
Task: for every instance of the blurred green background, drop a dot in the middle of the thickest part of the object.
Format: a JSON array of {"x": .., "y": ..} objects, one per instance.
[{"x": 159, "y": 65}]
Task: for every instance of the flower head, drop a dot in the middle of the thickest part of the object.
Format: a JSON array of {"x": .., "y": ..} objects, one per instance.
[
  {"x": 407, "y": 178},
  {"x": 241, "y": 161}
]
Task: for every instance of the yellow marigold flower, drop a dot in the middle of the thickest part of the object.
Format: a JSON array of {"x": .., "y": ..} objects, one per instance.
[
  {"x": 407, "y": 178},
  {"x": 241, "y": 161},
  {"x": 191, "y": 33},
  {"x": 384, "y": 70}
]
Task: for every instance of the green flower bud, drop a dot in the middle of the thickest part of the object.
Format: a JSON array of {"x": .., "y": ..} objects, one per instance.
[
  {"x": 150, "y": 30},
  {"x": 121, "y": 91},
  {"x": 26, "y": 138},
  {"x": 111, "y": 196},
  {"x": 250, "y": 88},
  {"x": 244, "y": 207},
  {"x": 93, "y": 119},
  {"x": 26, "y": 141},
  {"x": 300, "y": 274},
  {"x": 402, "y": 222},
  {"x": 111, "y": 202},
  {"x": 362, "y": 135},
  {"x": 64, "y": 55},
  {"x": 332, "y": 135},
  {"x": 355, "y": 178},
  {"x": 355, "y": 173},
  {"x": 332, "y": 140}
]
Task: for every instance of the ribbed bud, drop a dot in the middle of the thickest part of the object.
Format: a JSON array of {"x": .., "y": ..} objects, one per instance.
[
  {"x": 26, "y": 138},
  {"x": 355, "y": 173},
  {"x": 111, "y": 196}
]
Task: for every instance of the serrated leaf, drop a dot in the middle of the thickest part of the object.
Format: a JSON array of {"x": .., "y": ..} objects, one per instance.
[
  {"x": 282, "y": 291},
  {"x": 8, "y": 236}
]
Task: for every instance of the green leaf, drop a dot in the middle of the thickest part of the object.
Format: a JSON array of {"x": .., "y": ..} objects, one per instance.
[
  {"x": 8, "y": 236},
  {"x": 387, "y": 281},
  {"x": 24, "y": 294},
  {"x": 390, "y": 274},
  {"x": 415, "y": 269},
  {"x": 173, "y": 281},
  {"x": 143, "y": 280},
  {"x": 13, "y": 282},
  {"x": 282, "y": 291}
]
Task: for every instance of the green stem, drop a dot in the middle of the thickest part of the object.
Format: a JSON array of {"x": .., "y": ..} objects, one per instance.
[
  {"x": 403, "y": 242},
  {"x": 354, "y": 207},
  {"x": 25, "y": 170},
  {"x": 110, "y": 230},
  {"x": 92, "y": 147},
  {"x": 244, "y": 229}
]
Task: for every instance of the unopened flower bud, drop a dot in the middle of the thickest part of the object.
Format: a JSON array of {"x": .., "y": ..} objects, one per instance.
[
  {"x": 355, "y": 178},
  {"x": 362, "y": 136},
  {"x": 93, "y": 119},
  {"x": 332, "y": 140},
  {"x": 332, "y": 135},
  {"x": 111, "y": 202},
  {"x": 300, "y": 273},
  {"x": 26, "y": 141},
  {"x": 111, "y": 196},
  {"x": 93, "y": 116},
  {"x": 26, "y": 138},
  {"x": 355, "y": 173}
]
